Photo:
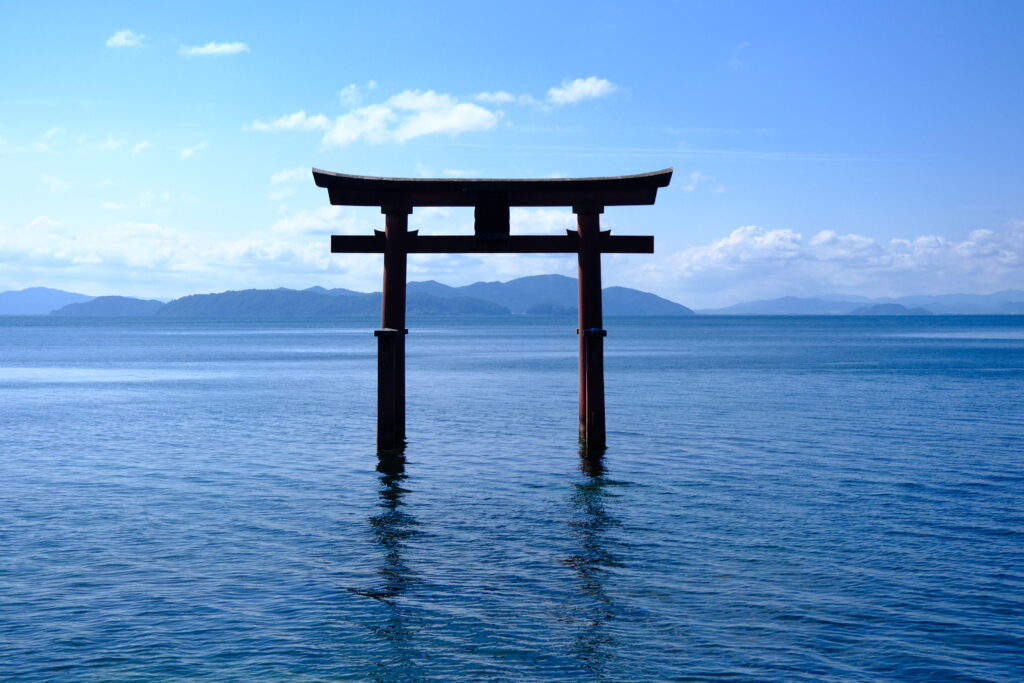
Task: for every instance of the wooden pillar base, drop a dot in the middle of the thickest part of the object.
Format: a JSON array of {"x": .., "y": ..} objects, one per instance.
[
  {"x": 390, "y": 389},
  {"x": 592, "y": 425}
]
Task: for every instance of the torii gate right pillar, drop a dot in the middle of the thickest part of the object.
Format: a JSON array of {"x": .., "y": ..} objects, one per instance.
[{"x": 591, "y": 328}]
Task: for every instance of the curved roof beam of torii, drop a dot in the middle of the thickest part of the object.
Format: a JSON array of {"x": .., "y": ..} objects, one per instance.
[{"x": 354, "y": 190}]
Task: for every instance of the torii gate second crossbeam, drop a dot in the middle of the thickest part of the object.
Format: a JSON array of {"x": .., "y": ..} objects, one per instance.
[{"x": 491, "y": 199}]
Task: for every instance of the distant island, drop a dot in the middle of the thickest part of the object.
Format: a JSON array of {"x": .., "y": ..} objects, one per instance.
[{"x": 534, "y": 295}]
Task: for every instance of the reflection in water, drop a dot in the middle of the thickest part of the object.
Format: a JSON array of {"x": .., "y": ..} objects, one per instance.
[
  {"x": 594, "y": 643},
  {"x": 391, "y": 528}
]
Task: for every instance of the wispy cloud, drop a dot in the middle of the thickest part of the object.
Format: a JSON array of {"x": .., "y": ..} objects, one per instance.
[
  {"x": 140, "y": 147},
  {"x": 297, "y": 121},
  {"x": 125, "y": 38},
  {"x": 501, "y": 97},
  {"x": 569, "y": 92},
  {"x": 579, "y": 89},
  {"x": 188, "y": 152},
  {"x": 213, "y": 49}
]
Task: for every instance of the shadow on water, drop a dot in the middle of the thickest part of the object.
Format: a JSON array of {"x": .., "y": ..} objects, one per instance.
[
  {"x": 594, "y": 644},
  {"x": 391, "y": 528}
]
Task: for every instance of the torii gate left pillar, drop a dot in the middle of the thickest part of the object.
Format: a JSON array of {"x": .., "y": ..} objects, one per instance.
[
  {"x": 491, "y": 200},
  {"x": 391, "y": 335}
]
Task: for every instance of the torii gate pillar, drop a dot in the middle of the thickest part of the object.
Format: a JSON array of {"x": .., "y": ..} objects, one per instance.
[
  {"x": 591, "y": 328},
  {"x": 391, "y": 336}
]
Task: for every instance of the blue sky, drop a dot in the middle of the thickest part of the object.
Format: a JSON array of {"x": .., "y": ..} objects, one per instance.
[{"x": 818, "y": 147}]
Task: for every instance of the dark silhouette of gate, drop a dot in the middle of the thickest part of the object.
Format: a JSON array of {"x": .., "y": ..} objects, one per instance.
[{"x": 491, "y": 199}]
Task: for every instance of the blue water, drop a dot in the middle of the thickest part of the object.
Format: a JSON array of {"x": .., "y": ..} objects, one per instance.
[{"x": 782, "y": 499}]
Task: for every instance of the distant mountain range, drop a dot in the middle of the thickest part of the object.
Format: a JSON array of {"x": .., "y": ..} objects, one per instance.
[
  {"x": 1008, "y": 302},
  {"x": 547, "y": 295},
  {"x": 535, "y": 295}
]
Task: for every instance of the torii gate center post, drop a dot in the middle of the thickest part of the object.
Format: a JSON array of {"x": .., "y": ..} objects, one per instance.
[{"x": 491, "y": 199}]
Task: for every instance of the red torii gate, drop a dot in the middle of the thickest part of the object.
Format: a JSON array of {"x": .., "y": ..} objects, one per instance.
[{"x": 491, "y": 199}]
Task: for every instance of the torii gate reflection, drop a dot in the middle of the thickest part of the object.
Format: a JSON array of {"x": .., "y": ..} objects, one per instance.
[{"x": 491, "y": 199}]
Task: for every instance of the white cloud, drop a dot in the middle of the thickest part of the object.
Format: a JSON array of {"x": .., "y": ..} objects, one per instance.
[
  {"x": 190, "y": 151},
  {"x": 125, "y": 38},
  {"x": 577, "y": 90},
  {"x": 755, "y": 263},
  {"x": 213, "y": 49},
  {"x": 432, "y": 113},
  {"x": 369, "y": 122},
  {"x": 405, "y": 116},
  {"x": 297, "y": 121},
  {"x": 141, "y": 147}
]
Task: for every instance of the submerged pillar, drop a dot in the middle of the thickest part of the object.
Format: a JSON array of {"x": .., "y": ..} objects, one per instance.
[
  {"x": 391, "y": 336},
  {"x": 591, "y": 328}
]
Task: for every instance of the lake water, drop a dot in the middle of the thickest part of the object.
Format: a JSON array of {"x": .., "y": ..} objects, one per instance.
[{"x": 781, "y": 499}]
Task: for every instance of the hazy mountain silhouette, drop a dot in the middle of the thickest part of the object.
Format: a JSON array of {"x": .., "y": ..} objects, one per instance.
[
  {"x": 787, "y": 305},
  {"x": 37, "y": 301},
  {"x": 111, "y": 306},
  {"x": 1007, "y": 302},
  {"x": 312, "y": 302}
]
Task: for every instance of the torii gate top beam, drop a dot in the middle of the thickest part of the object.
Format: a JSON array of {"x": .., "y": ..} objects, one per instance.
[{"x": 354, "y": 190}]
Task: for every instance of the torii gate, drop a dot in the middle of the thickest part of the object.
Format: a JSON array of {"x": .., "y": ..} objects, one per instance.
[{"x": 491, "y": 199}]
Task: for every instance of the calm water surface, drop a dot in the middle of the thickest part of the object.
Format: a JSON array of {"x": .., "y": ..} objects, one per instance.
[{"x": 781, "y": 499}]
